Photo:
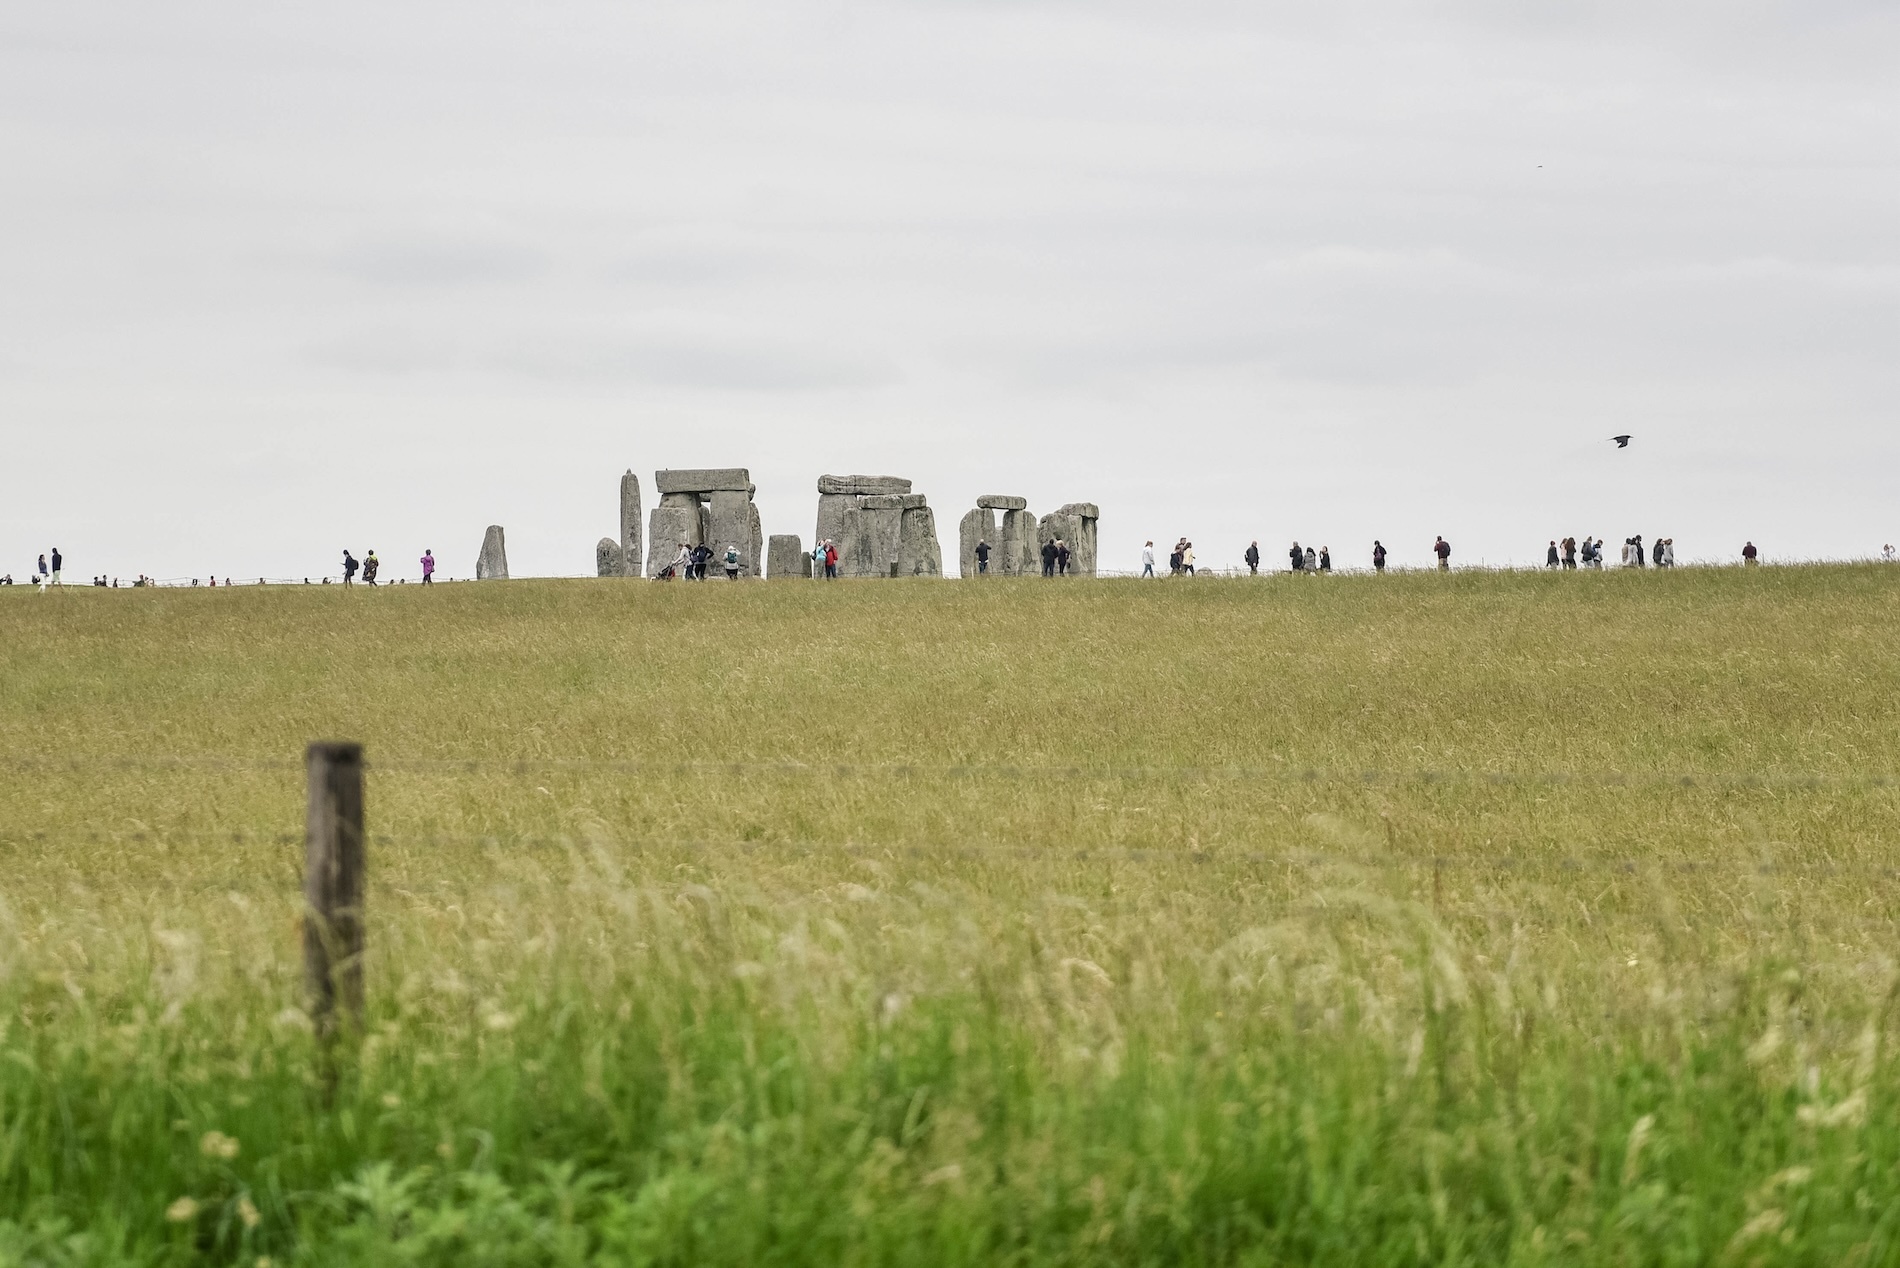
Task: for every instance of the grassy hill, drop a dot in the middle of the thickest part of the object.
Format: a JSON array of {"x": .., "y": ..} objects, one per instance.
[{"x": 1418, "y": 919}]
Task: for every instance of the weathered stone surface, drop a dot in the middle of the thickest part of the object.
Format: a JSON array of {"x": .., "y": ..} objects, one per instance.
[
  {"x": 831, "y": 509},
  {"x": 1083, "y": 510},
  {"x": 853, "y": 541},
  {"x": 882, "y": 502},
  {"x": 786, "y": 558},
  {"x": 1063, "y": 525},
  {"x": 630, "y": 524},
  {"x": 704, "y": 480},
  {"x": 1002, "y": 502},
  {"x": 882, "y": 528},
  {"x": 607, "y": 561},
  {"x": 910, "y": 501},
  {"x": 731, "y": 525},
  {"x": 1018, "y": 556},
  {"x": 755, "y": 558},
  {"x": 492, "y": 563},
  {"x": 918, "y": 554},
  {"x": 674, "y": 520},
  {"x": 859, "y": 485},
  {"x": 1085, "y": 515},
  {"x": 977, "y": 525}
]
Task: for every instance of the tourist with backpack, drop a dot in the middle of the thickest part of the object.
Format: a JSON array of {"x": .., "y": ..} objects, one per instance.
[
  {"x": 1378, "y": 556},
  {"x": 1253, "y": 559},
  {"x": 349, "y": 568},
  {"x": 732, "y": 563},
  {"x": 1442, "y": 549}
]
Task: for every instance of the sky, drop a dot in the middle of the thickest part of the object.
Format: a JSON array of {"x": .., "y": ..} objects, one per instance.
[{"x": 280, "y": 280}]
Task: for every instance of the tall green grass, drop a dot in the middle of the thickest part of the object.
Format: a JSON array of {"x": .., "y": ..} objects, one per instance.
[{"x": 1472, "y": 919}]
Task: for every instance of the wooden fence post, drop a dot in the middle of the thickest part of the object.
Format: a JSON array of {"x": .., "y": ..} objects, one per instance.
[{"x": 333, "y": 885}]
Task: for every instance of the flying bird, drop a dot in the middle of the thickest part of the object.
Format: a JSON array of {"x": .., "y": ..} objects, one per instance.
[{"x": 1622, "y": 442}]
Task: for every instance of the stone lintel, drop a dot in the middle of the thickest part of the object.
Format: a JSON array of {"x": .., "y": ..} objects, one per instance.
[
  {"x": 703, "y": 480},
  {"x": 863, "y": 485},
  {"x": 1001, "y": 502},
  {"x": 882, "y": 502},
  {"x": 1083, "y": 510}
]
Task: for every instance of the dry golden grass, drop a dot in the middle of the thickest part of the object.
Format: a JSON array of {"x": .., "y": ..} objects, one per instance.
[{"x": 1412, "y": 919}]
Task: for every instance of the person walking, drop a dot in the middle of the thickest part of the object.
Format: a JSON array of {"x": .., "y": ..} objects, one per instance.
[
  {"x": 1378, "y": 555},
  {"x": 349, "y": 568},
  {"x": 1062, "y": 558},
  {"x": 370, "y": 566},
  {"x": 1325, "y": 558},
  {"x": 1049, "y": 558},
  {"x": 1174, "y": 557},
  {"x": 428, "y": 566},
  {"x": 1296, "y": 557},
  {"x": 1750, "y": 556},
  {"x": 1148, "y": 559},
  {"x": 1570, "y": 553},
  {"x": 1442, "y": 549},
  {"x": 1309, "y": 562},
  {"x": 40, "y": 576},
  {"x": 1253, "y": 559},
  {"x": 1669, "y": 552},
  {"x": 982, "y": 554},
  {"x": 732, "y": 563},
  {"x": 681, "y": 568},
  {"x": 1187, "y": 557},
  {"x": 1551, "y": 558},
  {"x": 58, "y": 559},
  {"x": 1887, "y": 553},
  {"x": 1656, "y": 553}
]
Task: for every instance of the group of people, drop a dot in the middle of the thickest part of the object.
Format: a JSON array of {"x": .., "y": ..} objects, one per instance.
[
  {"x": 692, "y": 561},
  {"x": 1056, "y": 555},
  {"x": 1661, "y": 553},
  {"x": 370, "y": 566}
]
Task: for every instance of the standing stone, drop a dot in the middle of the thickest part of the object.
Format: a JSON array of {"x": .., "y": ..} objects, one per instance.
[
  {"x": 674, "y": 520},
  {"x": 831, "y": 509},
  {"x": 1084, "y": 516},
  {"x": 853, "y": 541},
  {"x": 918, "y": 554},
  {"x": 492, "y": 563},
  {"x": 608, "y": 561},
  {"x": 755, "y": 555},
  {"x": 977, "y": 525},
  {"x": 882, "y": 517},
  {"x": 730, "y": 522},
  {"x": 1019, "y": 553},
  {"x": 1058, "y": 524},
  {"x": 786, "y": 558},
  {"x": 630, "y": 524}
]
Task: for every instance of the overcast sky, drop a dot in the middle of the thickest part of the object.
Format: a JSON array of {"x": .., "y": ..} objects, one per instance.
[{"x": 278, "y": 280}]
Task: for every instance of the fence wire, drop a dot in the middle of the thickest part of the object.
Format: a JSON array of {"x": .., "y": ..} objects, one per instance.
[
  {"x": 1055, "y": 852},
  {"x": 1277, "y": 774}
]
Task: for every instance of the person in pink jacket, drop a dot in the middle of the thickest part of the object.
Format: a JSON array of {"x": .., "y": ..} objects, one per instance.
[{"x": 428, "y": 567}]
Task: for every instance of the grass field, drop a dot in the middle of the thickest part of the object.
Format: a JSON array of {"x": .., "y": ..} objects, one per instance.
[{"x": 1491, "y": 918}]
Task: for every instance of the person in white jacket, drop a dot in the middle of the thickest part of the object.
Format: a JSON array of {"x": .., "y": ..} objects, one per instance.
[{"x": 1148, "y": 560}]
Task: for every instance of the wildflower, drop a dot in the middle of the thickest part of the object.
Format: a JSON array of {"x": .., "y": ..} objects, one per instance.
[
  {"x": 215, "y": 1144},
  {"x": 182, "y": 1211},
  {"x": 391, "y": 1100},
  {"x": 499, "y": 1020},
  {"x": 247, "y": 1213}
]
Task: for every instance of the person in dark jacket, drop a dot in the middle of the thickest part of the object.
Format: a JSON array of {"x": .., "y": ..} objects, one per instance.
[
  {"x": 1296, "y": 557},
  {"x": 349, "y": 568},
  {"x": 1253, "y": 558},
  {"x": 1325, "y": 558},
  {"x": 1062, "y": 558},
  {"x": 982, "y": 556},
  {"x": 1551, "y": 558},
  {"x": 1049, "y": 558},
  {"x": 1378, "y": 556}
]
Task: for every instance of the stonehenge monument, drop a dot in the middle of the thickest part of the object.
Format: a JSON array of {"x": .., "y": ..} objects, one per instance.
[
  {"x": 712, "y": 506},
  {"x": 492, "y": 563},
  {"x": 629, "y": 525},
  {"x": 786, "y": 557},
  {"x": 881, "y": 528},
  {"x": 608, "y": 559}
]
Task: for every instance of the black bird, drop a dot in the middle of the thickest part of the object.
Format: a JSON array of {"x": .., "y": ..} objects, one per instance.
[{"x": 1622, "y": 442}]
